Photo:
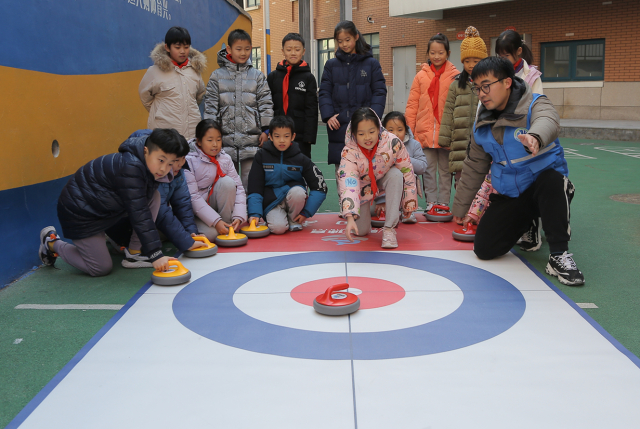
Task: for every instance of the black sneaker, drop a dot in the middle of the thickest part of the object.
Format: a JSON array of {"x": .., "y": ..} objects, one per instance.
[
  {"x": 531, "y": 240},
  {"x": 47, "y": 235},
  {"x": 564, "y": 267}
]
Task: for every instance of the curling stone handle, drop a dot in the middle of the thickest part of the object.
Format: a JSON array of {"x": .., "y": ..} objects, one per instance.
[
  {"x": 333, "y": 289},
  {"x": 202, "y": 238},
  {"x": 253, "y": 224},
  {"x": 231, "y": 234},
  {"x": 175, "y": 263}
]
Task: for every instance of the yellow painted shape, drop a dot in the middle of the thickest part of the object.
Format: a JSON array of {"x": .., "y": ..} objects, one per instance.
[{"x": 89, "y": 116}]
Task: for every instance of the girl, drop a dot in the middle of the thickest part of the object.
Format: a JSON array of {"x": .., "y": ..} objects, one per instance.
[
  {"x": 396, "y": 124},
  {"x": 362, "y": 165},
  {"x": 351, "y": 80},
  {"x": 509, "y": 45},
  {"x": 424, "y": 113},
  {"x": 462, "y": 104},
  {"x": 217, "y": 195}
]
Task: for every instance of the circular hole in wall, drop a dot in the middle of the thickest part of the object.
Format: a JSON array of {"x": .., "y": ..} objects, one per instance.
[{"x": 55, "y": 148}]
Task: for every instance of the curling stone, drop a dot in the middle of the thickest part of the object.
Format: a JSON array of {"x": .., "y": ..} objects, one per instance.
[
  {"x": 336, "y": 301},
  {"x": 465, "y": 232},
  {"x": 378, "y": 221},
  {"x": 175, "y": 275},
  {"x": 434, "y": 216},
  {"x": 232, "y": 239},
  {"x": 255, "y": 231},
  {"x": 202, "y": 252}
]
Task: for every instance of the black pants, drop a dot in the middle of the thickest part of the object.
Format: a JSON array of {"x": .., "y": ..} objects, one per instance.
[
  {"x": 305, "y": 148},
  {"x": 506, "y": 219}
]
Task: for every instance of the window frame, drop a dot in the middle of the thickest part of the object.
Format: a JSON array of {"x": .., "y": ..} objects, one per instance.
[
  {"x": 254, "y": 6},
  {"x": 331, "y": 51},
  {"x": 369, "y": 40},
  {"x": 573, "y": 60},
  {"x": 258, "y": 52}
]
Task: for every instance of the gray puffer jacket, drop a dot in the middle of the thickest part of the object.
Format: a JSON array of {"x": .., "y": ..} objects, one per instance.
[{"x": 239, "y": 99}]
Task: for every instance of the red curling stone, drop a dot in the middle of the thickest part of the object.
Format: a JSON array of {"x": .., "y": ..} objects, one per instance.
[
  {"x": 466, "y": 232},
  {"x": 336, "y": 301}
]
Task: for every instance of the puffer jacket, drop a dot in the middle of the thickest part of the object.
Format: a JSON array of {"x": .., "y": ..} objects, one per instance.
[
  {"x": 303, "y": 98},
  {"x": 200, "y": 176},
  {"x": 457, "y": 123},
  {"x": 239, "y": 100},
  {"x": 545, "y": 127},
  {"x": 275, "y": 172},
  {"x": 349, "y": 81},
  {"x": 419, "y": 112},
  {"x": 354, "y": 183},
  {"x": 172, "y": 94},
  {"x": 175, "y": 217},
  {"x": 418, "y": 158},
  {"x": 107, "y": 189}
]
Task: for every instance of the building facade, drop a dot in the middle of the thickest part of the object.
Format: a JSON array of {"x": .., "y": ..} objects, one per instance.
[{"x": 584, "y": 48}]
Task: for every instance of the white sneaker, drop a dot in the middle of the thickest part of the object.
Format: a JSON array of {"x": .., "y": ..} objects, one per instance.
[
  {"x": 410, "y": 219},
  {"x": 295, "y": 226},
  {"x": 135, "y": 260},
  {"x": 389, "y": 240}
]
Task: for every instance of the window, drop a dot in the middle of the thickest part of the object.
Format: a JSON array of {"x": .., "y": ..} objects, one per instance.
[
  {"x": 251, "y": 3},
  {"x": 373, "y": 40},
  {"x": 570, "y": 61},
  {"x": 326, "y": 51},
  {"x": 256, "y": 59}
]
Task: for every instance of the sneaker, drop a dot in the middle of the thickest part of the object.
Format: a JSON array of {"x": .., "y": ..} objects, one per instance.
[
  {"x": 531, "y": 240},
  {"x": 47, "y": 235},
  {"x": 429, "y": 206},
  {"x": 389, "y": 240},
  {"x": 295, "y": 226},
  {"x": 135, "y": 260},
  {"x": 564, "y": 267},
  {"x": 410, "y": 219}
]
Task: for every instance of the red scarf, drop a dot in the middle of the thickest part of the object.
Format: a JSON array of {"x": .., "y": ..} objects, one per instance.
[
  {"x": 219, "y": 174},
  {"x": 230, "y": 59},
  {"x": 434, "y": 89},
  {"x": 518, "y": 65},
  {"x": 370, "y": 154},
  {"x": 285, "y": 85},
  {"x": 180, "y": 65}
]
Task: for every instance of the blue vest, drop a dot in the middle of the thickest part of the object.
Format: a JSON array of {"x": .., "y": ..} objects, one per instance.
[{"x": 514, "y": 169}]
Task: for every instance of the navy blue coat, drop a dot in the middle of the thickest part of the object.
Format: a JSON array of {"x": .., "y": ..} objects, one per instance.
[
  {"x": 107, "y": 189},
  {"x": 175, "y": 217},
  {"x": 348, "y": 83},
  {"x": 274, "y": 173}
]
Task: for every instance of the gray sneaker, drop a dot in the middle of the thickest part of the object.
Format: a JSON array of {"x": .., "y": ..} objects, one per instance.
[
  {"x": 47, "y": 235},
  {"x": 135, "y": 260},
  {"x": 295, "y": 226},
  {"x": 389, "y": 240}
]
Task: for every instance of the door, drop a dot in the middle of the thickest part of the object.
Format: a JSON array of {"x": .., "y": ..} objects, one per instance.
[
  {"x": 454, "y": 45},
  {"x": 404, "y": 70}
]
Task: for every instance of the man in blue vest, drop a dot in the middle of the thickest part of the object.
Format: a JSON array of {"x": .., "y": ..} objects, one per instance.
[{"x": 516, "y": 137}]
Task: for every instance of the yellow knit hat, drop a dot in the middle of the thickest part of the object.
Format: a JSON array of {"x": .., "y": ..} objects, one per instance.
[{"x": 472, "y": 46}]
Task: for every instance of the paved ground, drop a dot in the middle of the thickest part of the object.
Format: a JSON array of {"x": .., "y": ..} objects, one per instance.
[{"x": 36, "y": 344}]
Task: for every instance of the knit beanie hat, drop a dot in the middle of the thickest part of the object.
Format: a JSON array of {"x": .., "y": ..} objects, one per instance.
[{"x": 472, "y": 46}]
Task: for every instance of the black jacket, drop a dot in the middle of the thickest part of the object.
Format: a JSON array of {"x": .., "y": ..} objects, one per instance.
[
  {"x": 303, "y": 99},
  {"x": 107, "y": 189}
]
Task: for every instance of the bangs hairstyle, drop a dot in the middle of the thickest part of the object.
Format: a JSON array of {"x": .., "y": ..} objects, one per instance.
[
  {"x": 238, "y": 34},
  {"x": 395, "y": 115},
  {"x": 363, "y": 114},
  {"x": 168, "y": 140},
  {"x": 362, "y": 47},
  {"x": 439, "y": 38},
  {"x": 293, "y": 36},
  {"x": 204, "y": 126},
  {"x": 499, "y": 66},
  {"x": 282, "y": 122},
  {"x": 177, "y": 35},
  {"x": 508, "y": 43}
]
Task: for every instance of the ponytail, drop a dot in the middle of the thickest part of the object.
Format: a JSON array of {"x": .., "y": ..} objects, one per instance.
[{"x": 509, "y": 42}]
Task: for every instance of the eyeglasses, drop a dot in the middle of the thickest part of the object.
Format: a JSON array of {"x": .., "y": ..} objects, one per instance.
[{"x": 485, "y": 88}]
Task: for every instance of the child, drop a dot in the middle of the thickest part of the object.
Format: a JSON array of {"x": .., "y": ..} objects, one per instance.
[
  {"x": 172, "y": 88},
  {"x": 294, "y": 91},
  {"x": 351, "y": 80},
  {"x": 529, "y": 171},
  {"x": 395, "y": 123},
  {"x": 424, "y": 112},
  {"x": 462, "y": 104},
  {"x": 363, "y": 165},
  {"x": 239, "y": 100},
  {"x": 509, "y": 45},
  {"x": 217, "y": 194},
  {"x": 104, "y": 191},
  {"x": 279, "y": 178}
]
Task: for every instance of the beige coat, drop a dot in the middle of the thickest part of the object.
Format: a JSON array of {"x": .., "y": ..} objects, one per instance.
[{"x": 170, "y": 94}]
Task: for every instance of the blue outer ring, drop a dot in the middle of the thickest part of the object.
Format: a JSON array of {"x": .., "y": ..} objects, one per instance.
[{"x": 491, "y": 305}]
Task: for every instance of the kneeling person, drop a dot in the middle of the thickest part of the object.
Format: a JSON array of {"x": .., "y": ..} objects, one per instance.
[
  {"x": 516, "y": 137},
  {"x": 278, "y": 180}
]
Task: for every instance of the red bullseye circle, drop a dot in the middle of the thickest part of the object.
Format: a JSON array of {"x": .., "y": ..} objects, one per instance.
[{"x": 375, "y": 292}]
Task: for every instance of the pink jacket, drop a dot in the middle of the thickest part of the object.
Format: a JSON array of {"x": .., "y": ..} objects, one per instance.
[
  {"x": 354, "y": 184},
  {"x": 481, "y": 201},
  {"x": 200, "y": 179}
]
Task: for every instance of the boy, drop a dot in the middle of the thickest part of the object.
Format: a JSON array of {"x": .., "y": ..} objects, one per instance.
[
  {"x": 239, "y": 100},
  {"x": 294, "y": 91},
  {"x": 278, "y": 181},
  {"x": 172, "y": 88},
  {"x": 516, "y": 137},
  {"x": 104, "y": 191}
]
